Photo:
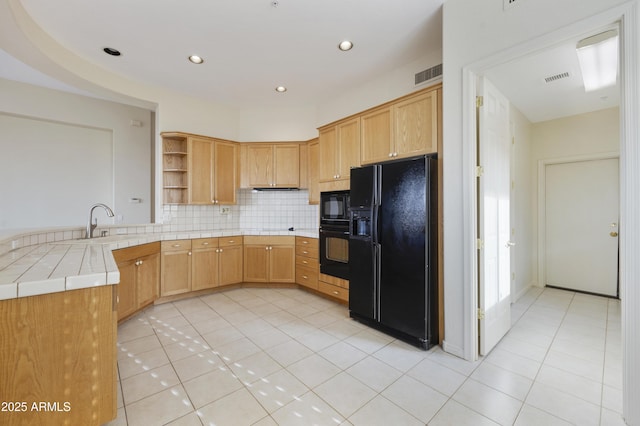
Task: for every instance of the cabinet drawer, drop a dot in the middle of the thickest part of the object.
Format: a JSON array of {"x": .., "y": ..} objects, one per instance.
[
  {"x": 335, "y": 291},
  {"x": 204, "y": 243},
  {"x": 311, "y": 252},
  {"x": 307, "y": 277},
  {"x": 305, "y": 262},
  {"x": 307, "y": 242},
  {"x": 270, "y": 240},
  {"x": 176, "y": 245},
  {"x": 230, "y": 241}
]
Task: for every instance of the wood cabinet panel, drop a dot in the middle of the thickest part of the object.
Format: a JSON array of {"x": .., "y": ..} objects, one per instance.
[
  {"x": 273, "y": 165},
  {"x": 204, "y": 265},
  {"x": 282, "y": 264},
  {"x": 313, "y": 167},
  {"x": 328, "y": 150},
  {"x": 230, "y": 264},
  {"x": 416, "y": 125},
  {"x": 256, "y": 263},
  {"x": 339, "y": 151},
  {"x": 126, "y": 289},
  {"x": 147, "y": 279},
  {"x": 376, "y": 136},
  {"x": 259, "y": 165},
  {"x": 225, "y": 168},
  {"x": 176, "y": 267},
  {"x": 200, "y": 171},
  {"x": 334, "y": 291},
  {"x": 60, "y": 347}
]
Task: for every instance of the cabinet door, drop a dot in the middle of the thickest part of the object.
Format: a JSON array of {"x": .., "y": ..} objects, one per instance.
[
  {"x": 147, "y": 280},
  {"x": 204, "y": 268},
  {"x": 416, "y": 125},
  {"x": 328, "y": 151},
  {"x": 127, "y": 288},
  {"x": 282, "y": 264},
  {"x": 313, "y": 165},
  {"x": 200, "y": 171},
  {"x": 376, "y": 136},
  {"x": 286, "y": 165},
  {"x": 349, "y": 147},
  {"x": 176, "y": 272},
  {"x": 260, "y": 165},
  {"x": 230, "y": 266},
  {"x": 256, "y": 263},
  {"x": 225, "y": 172}
]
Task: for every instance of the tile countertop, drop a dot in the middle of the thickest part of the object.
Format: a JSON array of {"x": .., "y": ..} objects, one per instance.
[{"x": 78, "y": 263}]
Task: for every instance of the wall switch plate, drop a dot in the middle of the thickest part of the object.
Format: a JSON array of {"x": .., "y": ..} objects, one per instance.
[{"x": 225, "y": 210}]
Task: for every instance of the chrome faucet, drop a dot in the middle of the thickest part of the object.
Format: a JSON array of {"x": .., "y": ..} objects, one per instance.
[{"x": 93, "y": 223}]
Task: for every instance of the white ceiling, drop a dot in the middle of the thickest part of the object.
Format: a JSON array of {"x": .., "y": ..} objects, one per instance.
[
  {"x": 249, "y": 46},
  {"x": 252, "y": 46},
  {"x": 522, "y": 81}
]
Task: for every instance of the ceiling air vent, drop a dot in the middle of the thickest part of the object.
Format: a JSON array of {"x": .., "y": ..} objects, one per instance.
[
  {"x": 428, "y": 74},
  {"x": 556, "y": 77}
]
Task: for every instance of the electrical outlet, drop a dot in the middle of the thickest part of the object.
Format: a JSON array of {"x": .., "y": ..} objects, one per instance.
[{"x": 225, "y": 210}]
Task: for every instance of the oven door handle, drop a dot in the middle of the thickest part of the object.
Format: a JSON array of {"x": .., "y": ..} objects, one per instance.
[{"x": 322, "y": 231}]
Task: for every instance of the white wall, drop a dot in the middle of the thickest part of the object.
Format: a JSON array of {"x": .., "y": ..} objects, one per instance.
[
  {"x": 523, "y": 213},
  {"x": 584, "y": 134},
  {"x": 128, "y": 163}
]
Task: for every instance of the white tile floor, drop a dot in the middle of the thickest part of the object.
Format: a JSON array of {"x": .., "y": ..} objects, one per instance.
[{"x": 286, "y": 357}]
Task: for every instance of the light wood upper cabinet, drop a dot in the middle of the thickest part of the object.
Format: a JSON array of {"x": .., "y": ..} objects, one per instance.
[
  {"x": 377, "y": 136},
  {"x": 212, "y": 171},
  {"x": 401, "y": 129},
  {"x": 339, "y": 150},
  {"x": 272, "y": 165},
  {"x": 415, "y": 123},
  {"x": 199, "y": 169}
]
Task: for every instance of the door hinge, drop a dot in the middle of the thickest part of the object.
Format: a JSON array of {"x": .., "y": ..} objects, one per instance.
[
  {"x": 480, "y": 314},
  {"x": 479, "y": 101},
  {"x": 479, "y": 244},
  {"x": 479, "y": 171}
]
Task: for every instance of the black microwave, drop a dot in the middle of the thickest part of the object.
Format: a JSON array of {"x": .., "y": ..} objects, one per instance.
[{"x": 334, "y": 207}]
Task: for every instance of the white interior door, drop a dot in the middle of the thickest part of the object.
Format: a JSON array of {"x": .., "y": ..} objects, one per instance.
[
  {"x": 494, "y": 225},
  {"x": 581, "y": 225}
]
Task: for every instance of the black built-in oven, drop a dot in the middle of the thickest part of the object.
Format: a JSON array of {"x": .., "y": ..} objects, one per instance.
[{"x": 334, "y": 233}]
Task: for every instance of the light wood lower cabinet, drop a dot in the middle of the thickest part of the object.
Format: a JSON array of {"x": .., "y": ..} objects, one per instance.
[
  {"x": 176, "y": 267},
  {"x": 216, "y": 262},
  {"x": 59, "y": 349},
  {"x": 200, "y": 264},
  {"x": 334, "y": 287},
  {"x": 139, "y": 268},
  {"x": 269, "y": 259}
]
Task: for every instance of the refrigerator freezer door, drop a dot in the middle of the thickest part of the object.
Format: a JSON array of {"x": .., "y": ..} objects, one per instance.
[
  {"x": 403, "y": 233},
  {"x": 362, "y": 187}
]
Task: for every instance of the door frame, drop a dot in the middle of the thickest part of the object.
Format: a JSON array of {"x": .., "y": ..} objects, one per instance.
[
  {"x": 626, "y": 14},
  {"x": 542, "y": 170}
]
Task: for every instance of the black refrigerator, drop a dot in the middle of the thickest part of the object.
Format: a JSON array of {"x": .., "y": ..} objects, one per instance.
[{"x": 393, "y": 248}]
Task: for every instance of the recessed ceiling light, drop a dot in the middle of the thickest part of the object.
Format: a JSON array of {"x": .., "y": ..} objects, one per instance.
[
  {"x": 345, "y": 45},
  {"x": 111, "y": 51},
  {"x": 281, "y": 89},
  {"x": 196, "y": 59}
]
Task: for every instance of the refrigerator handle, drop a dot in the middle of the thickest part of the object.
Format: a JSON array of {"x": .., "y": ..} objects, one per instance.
[{"x": 377, "y": 248}]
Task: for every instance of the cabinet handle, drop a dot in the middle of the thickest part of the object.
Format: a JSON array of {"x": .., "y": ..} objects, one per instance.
[
  {"x": 391, "y": 154},
  {"x": 231, "y": 241},
  {"x": 305, "y": 252},
  {"x": 205, "y": 244},
  {"x": 305, "y": 262},
  {"x": 335, "y": 292},
  {"x": 305, "y": 277},
  {"x": 305, "y": 242},
  {"x": 141, "y": 262},
  {"x": 176, "y": 245},
  {"x": 395, "y": 154},
  {"x": 220, "y": 251},
  {"x": 189, "y": 253}
]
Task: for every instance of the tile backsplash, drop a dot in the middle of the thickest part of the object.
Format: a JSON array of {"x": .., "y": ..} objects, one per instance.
[
  {"x": 260, "y": 210},
  {"x": 256, "y": 210}
]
